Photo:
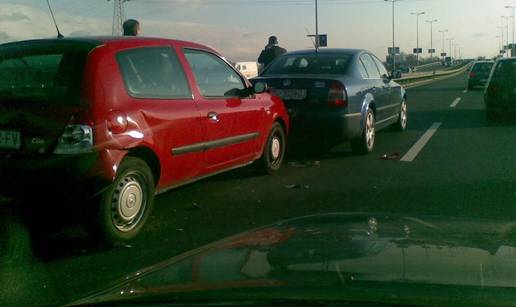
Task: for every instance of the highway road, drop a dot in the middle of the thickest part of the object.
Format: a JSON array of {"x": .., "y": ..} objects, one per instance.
[{"x": 450, "y": 162}]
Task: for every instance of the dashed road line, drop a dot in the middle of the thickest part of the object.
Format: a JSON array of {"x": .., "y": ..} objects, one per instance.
[
  {"x": 420, "y": 144},
  {"x": 455, "y": 102}
]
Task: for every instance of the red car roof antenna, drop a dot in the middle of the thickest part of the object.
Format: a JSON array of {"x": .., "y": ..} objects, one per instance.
[{"x": 59, "y": 35}]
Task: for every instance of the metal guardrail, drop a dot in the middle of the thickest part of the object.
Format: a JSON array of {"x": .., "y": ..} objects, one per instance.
[
  {"x": 432, "y": 75},
  {"x": 424, "y": 66}
]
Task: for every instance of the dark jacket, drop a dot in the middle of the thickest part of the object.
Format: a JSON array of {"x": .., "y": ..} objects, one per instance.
[{"x": 269, "y": 54}]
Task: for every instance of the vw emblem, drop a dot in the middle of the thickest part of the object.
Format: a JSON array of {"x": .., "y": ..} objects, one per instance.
[{"x": 287, "y": 82}]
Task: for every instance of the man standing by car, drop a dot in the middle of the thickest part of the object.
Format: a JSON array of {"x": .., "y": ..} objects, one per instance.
[
  {"x": 270, "y": 52},
  {"x": 131, "y": 27}
]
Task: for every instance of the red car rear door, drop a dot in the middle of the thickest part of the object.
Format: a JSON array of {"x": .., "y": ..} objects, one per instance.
[
  {"x": 232, "y": 124},
  {"x": 162, "y": 106}
]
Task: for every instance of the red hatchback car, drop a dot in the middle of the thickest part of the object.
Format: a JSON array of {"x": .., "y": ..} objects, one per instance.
[{"x": 122, "y": 119}]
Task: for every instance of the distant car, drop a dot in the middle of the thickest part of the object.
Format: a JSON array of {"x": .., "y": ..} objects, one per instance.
[
  {"x": 248, "y": 69},
  {"x": 448, "y": 62},
  {"x": 479, "y": 73},
  {"x": 500, "y": 94},
  {"x": 337, "y": 95},
  {"x": 120, "y": 119}
]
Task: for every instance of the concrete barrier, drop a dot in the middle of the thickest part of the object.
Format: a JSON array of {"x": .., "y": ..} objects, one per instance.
[{"x": 435, "y": 75}]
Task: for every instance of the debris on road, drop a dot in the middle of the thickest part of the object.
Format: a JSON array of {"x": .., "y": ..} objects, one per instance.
[
  {"x": 194, "y": 206},
  {"x": 292, "y": 186},
  {"x": 180, "y": 229},
  {"x": 297, "y": 186},
  {"x": 122, "y": 245},
  {"x": 302, "y": 164},
  {"x": 391, "y": 157}
]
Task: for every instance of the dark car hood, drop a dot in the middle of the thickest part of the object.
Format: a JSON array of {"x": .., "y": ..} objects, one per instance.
[{"x": 366, "y": 257}]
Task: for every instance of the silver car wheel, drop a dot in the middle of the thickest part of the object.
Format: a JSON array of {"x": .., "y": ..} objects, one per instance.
[
  {"x": 128, "y": 204},
  {"x": 370, "y": 130},
  {"x": 403, "y": 115}
]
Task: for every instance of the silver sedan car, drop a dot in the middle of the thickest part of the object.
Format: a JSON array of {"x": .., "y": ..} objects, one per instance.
[{"x": 337, "y": 95}]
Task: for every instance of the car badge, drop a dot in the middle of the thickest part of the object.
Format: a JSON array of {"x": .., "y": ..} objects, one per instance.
[
  {"x": 38, "y": 141},
  {"x": 287, "y": 82}
]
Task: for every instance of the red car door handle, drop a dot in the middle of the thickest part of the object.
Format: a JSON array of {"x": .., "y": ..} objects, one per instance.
[{"x": 214, "y": 117}]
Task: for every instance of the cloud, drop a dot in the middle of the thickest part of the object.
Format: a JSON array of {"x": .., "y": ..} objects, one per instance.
[
  {"x": 80, "y": 33},
  {"x": 20, "y": 22},
  {"x": 480, "y": 35},
  {"x": 13, "y": 17},
  {"x": 4, "y": 38},
  {"x": 235, "y": 43}
]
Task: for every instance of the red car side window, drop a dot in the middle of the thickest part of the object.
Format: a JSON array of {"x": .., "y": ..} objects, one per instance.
[
  {"x": 153, "y": 72},
  {"x": 214, "y": 76}
]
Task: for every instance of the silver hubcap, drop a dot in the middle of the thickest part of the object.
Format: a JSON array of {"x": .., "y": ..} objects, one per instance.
[
  {"x": 370, "y": 131},
  {"x": 403, "y": 114},
  {"x": 127, "y": 204},
  {"x": 276, "y": 148}
]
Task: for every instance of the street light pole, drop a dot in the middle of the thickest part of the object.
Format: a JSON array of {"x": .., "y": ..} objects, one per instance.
[
  {"x": 442, "y": 32},
  {"x": 502, "y": 39},
  {"x": 512, "y": 16},
  {"x": 316, "y": 26},
  {"x": 431, "y": 22},
  {"x": 393, "y": 53},
  {"x": 506, "y": 18},
  {"x": 417, "y": 14},
  {"x": 450, "y": 40},
  {"x": 499, "y": 45}
]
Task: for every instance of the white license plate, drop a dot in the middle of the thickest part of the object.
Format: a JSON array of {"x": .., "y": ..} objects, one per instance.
[
  {"x": 290, "y": 94},
  {"x": 10, "y": 139}
]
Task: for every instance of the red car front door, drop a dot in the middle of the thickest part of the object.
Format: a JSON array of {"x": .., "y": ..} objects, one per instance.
[{"x": 232, "y": 124}]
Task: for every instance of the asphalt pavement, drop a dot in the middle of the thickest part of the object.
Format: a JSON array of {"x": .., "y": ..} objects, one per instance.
[{"x": 449, "y": 162}]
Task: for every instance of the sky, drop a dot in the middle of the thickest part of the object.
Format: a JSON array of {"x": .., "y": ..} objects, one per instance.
[{"x": 239, "y": 28}]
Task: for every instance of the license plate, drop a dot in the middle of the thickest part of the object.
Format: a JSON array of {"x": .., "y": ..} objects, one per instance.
[
  {"x": 10, "y": 139},
  {"x": 290, "y": 94}
]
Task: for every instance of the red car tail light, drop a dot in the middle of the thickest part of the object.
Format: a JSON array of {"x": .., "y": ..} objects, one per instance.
[
  {"x": 472, "y": 74},
  {"x": 337, "y": 96},
  {"x": 75, "y": 139}
]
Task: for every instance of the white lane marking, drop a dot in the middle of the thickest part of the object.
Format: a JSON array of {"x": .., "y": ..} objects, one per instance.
[
  {"x": 414, "y": 151},
  {"x": 465, "y": 91},
  {"x": 455, "y": 102}
]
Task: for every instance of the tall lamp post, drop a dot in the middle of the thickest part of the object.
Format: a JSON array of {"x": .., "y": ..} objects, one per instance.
[
  {"x": 499, "y": 45},
  {"x": 417, "y": 14},
  {"x": 502, "y": 37},
  {"x": 431, "y": 22},
  {"x": 393, "y": 52},
  {"x": 317, "y": 42},
  {"x": 442, "y": 32},
  {"x": 450, "y": 40},
  {"x": 512, "y": 16},
  {"x": 506, "y": 19}
]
